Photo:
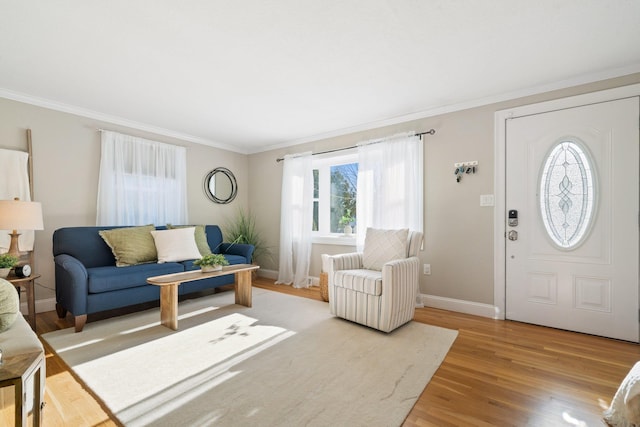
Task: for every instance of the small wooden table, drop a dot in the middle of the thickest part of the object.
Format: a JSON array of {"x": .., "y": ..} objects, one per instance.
[
  {"x": 16, "y": 371},
  {"x": 169, "y": 288},
  {"x": 28, "y": 284}
]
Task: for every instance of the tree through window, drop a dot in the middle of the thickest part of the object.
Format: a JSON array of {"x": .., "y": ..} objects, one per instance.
[{"x": 335, "y": 183}]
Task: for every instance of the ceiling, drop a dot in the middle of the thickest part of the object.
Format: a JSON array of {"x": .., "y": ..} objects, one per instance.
[{"x": 256, "y": 74}]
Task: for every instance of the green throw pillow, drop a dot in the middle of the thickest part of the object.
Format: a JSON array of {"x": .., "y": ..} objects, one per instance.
[
  {"x": 131, "y": 245},
  {"x": 201, "y": 237},
  {"x": 9, "y": 305}
]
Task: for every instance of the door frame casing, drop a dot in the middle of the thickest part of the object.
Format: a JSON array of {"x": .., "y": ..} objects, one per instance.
[{"x": 500, "y": 176}]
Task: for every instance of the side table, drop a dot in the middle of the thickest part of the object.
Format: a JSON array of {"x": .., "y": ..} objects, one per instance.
[
  {"x": 16, "y": 371},
  {"x": 28, "y": 284}
]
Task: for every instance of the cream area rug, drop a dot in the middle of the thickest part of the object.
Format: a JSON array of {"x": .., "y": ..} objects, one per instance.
[{"x": 284, "y": 362}]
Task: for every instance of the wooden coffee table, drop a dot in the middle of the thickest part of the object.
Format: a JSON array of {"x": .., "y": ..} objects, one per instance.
[{"x": 169, "y": 288}]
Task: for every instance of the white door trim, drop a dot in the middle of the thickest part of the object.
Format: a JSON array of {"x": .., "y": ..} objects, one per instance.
[{"x": 500, "y": 145}]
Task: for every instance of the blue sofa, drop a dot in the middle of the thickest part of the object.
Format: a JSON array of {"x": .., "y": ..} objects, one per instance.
[{"x": 88, "y": 281}]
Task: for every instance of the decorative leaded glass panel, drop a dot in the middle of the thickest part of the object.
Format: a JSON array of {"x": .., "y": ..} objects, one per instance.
[{"x": 567, "y": 193}]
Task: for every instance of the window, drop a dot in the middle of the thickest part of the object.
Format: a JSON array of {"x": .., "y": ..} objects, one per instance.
[
  {"x": 567, "y": 194},
  {"x": 141, "y": 182},
  {"x": 335, "y": 183}
]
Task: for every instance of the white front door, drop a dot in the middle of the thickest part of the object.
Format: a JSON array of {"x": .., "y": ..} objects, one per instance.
[{"x": 572, "y": 181}]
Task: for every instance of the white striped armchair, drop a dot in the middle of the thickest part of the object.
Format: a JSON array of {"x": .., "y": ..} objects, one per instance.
[{"x": 377, "y": 287}]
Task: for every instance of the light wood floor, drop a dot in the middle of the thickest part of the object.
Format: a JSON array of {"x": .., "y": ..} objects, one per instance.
[{"x": 499, "y": 373}]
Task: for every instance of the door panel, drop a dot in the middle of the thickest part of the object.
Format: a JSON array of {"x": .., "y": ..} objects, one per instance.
[{"x": 588, "y": 285}]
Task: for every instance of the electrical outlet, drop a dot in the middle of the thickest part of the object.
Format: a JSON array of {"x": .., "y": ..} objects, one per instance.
[{"x": 427, "y": 269}]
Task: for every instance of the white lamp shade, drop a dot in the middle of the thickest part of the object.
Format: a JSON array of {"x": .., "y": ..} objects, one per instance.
[{"x": 20, "y": 215}]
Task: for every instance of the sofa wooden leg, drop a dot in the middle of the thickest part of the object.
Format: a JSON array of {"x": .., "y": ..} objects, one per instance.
[
  {"x": 62, "y": 312},
  {"x": 80, "y": 321}
]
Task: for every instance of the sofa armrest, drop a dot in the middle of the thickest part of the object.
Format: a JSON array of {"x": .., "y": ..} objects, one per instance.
[
  {"x": 240, "y": 249},
  {"x": 72, "y": 284}
]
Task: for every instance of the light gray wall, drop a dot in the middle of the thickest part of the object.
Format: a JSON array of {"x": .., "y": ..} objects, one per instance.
[
  {"x": 458, "y": 231},
  {"x": 66, "y": 159}
]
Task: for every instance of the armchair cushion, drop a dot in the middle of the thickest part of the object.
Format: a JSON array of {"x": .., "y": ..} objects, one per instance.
[
  {"x": 365, "y": 281},
  {"x": 382, "y": 246}
]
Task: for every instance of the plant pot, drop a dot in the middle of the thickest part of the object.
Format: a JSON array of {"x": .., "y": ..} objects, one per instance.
[
  {"x": 4, "y": 272},
  {"x": 348, "y": 230},
  {"x": 210, "y": 268}
]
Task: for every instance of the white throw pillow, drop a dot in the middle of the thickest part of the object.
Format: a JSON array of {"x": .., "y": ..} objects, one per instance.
[
  {"x": 382, "y": 246},
  {"x": 175, "y": 245}
]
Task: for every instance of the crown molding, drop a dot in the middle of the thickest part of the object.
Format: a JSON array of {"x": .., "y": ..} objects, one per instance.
[
  {"x": 120, "y": 121},
  {"x": 480, "y": 102},
  {"x": 507, "y": 96}
]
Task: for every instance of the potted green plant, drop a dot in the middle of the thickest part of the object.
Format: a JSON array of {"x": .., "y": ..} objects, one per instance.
[
  {"x": 7, "y": 262},
  {"x": 211, "y": 262},
  {"x": 242, "y": 229},
  {"x": 346, "y": 222}
]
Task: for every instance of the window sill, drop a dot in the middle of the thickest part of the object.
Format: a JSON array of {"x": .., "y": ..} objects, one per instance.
[{"x": 340, "y": 240}]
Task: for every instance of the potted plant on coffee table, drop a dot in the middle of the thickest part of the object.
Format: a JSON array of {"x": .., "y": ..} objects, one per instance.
[
  {"x": 211, "y": 262},
  {"x": 7, "y": 262}
]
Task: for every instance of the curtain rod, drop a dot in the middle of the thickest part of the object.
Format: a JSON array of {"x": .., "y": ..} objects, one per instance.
[{"x": 429, "y": 132}]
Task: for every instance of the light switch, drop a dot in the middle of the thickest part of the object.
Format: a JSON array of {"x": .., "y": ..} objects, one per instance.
[{"x": 486, "y": 200}]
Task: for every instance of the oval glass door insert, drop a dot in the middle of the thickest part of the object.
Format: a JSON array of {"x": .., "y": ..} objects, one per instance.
[{"x": 567, "y": 193}]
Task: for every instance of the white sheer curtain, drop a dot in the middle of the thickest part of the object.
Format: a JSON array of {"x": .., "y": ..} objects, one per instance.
[
  {"x": 296, "y": 220},
  {"x": 390, "y": 184},
  {"x": 141, "y": 182}
]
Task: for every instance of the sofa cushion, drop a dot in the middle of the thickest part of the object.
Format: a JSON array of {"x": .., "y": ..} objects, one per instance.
[
  {"x": 9, "y": 305},
  {"x": 365, "y": 281},
  {"x": 175, "y": 245},
  {"x": 200, "y": 235},
  {"x": 104, "y": 279},
  {"x": 382, "y": 246},
  {"x": 131, "y": 245}
]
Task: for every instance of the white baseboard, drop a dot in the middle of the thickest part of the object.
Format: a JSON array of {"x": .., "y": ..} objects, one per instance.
[
  {"x": 42, "y": 305},
  {"x": 460, "y": 306},
  {"x": 273, "y": 275},
  {"x": 269, "y": 274}
]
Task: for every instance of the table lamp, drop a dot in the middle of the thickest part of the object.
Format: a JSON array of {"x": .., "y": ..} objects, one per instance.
[{"x": 19, "y": 215}]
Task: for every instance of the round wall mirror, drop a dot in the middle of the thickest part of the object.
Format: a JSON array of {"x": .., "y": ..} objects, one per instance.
[{"x": 220, "y": 185}]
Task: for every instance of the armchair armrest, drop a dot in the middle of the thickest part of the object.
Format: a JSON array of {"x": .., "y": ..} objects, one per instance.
[
  {"x": 400, "y": 280},
  {"x": 349, "y": 261},
  {"x": 401, "y": 272}
]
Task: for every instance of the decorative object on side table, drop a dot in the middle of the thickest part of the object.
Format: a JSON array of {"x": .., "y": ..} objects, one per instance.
[
  {"x": 22, "y": 271},
  {"x": 211, "y": 262},
  {"x": 7, "y": 262}
]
